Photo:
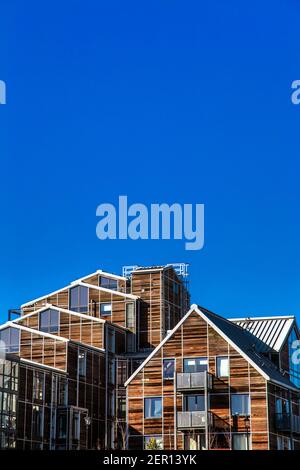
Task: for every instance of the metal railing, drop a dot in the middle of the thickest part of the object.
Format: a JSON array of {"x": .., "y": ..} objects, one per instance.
[
  {"x": 191, "y": 419},
  {"x": 287, "y": 422},
  {"x": 193, "y": 380}
]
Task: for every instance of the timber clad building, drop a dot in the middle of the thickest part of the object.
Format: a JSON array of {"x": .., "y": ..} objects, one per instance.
[{"x": 124, "y": 362}]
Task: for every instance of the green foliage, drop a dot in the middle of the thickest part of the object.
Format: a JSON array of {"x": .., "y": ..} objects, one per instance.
[{"x": 153, "y": 444}]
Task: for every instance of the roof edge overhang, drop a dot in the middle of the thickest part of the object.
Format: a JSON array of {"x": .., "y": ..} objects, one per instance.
[{"x": 196, "y": 309}]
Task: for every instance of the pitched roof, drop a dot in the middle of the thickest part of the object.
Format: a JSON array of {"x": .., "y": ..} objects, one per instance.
[
  {"x": 83, "y": 284},
  {"x": 241, "y": 340},
  {"x": 271, "y": 331}
]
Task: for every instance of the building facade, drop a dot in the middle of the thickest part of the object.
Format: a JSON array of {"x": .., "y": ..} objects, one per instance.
[{"x": 116, "y": 362}]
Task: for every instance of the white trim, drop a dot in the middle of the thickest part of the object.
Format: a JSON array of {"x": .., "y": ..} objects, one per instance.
[
  {"x": 195, "y": 308},
  {"x": 101, "y": 273},
  {"x": 45, "y": 296},
  {"x": 147, "y": 270},
  {"x": 159, "y": 346},
  {"x": 79, "y": 283},
  {"x": 104, "y": 289},
  {"x": 63, "y": 310},
  {"x": 10, "y": 324},
  {"x": 114, "y": 276},
  {"x": 274, "y": 317}
]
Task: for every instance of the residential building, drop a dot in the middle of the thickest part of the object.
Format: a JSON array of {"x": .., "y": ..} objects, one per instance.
[{"x": 122, "y": 361}]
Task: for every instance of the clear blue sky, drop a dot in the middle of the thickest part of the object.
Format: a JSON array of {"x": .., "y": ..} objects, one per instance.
[{"x": 165, "y": 101}]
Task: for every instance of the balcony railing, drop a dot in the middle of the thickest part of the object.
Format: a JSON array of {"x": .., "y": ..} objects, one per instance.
[
  {"x": 191, "y": 419},
  {"x": 193, "y": 381},
  {"x": 287, "y": 422}
]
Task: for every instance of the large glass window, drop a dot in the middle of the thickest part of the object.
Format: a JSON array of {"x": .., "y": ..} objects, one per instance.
[
  {"x": 240, "y": 441},
  {"x": 82, "y": 363},
  {"x": 63, "y": 392},
  {"x": 49, "y": 321},
  {"x": 130, "y": 341},
  {"x": 105, "y": 309},
  {"x": 153, "y": 407},
  {"x": 11, "y": 339},
  {"x": 197, "y": 364},
  {"x": 108, "y": 283},
  {"x": 111, "y": 371},
  {"x": 169, "y": 368},
  {"x": 130, "y": 323},
  {"x": 76, "y": 426},
  {"x": 38, "y": 385},
  {"x": 79, "y": 299},
  {"x": 240, "y": 404},
  {"x": 194, "y": 403},
  {"x": 222, "y": 366},
  {"x": 37, "y": 421},
  {"x": 62, "y": 426}
]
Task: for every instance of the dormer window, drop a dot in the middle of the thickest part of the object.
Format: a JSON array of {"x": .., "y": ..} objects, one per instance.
[
  {"x": 79, "y": 296},
  {"x": 108, "y": 283},
  {"x": 10, "y": 337},
  {"x": 49, "y": 321}
]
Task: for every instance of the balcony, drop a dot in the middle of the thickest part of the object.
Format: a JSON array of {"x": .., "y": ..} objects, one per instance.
[
  {"x": 287, "y": 422},
  {"x": 191, "y": 419},
  {"x": 193, "y": 381}
]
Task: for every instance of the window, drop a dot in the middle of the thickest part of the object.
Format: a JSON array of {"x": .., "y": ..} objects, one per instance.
[
  {"x": 240, "y": 404},
  {"x": 111, "y": 340},
  {"x": 282, "y": 406},
  {"x": 222, "y": 366},
  {"x": 111, "y": 371},
  {"x": 240, "y": 441},
  {"x": 130, "y": 342},
  {"x": 130, "y": 315},
  {"x": 108, "y": 283},
  {"x": 169, "y": 369},
  {"x": 62, "y": 426},
  {"x": 82, "y": 363},
  {"x": 284, "y": 443},
  {"x": 121, "y": 407},
  {"x": 153, "y": 442},
  {"x": 76, "y": 426},
  {"x": 38, "y": 385},
  {"x": 79, "y": 299},
  {"x": 37, "y": 421},
  {"x": 11, "y": 340},
  {"x": 105, "y": 309},
  {"x": 198, "y": 364},
  {"x": 194, "y": 403},
  {"x": 49, "y": 321},
  {"x": 176, "y": 288},
  {"x": 63, "y": 392},
  {"x": 153, "y": 407},
  {"x": 111, "y": 404}
]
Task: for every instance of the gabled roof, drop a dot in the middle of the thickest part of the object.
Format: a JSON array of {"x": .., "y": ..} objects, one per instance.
[
  {"x": 104, "y": 274},
  {"x": 271, "y": 331},
  {"x": 11, "y": 324},
  {"x": 84, "y": 284},
  {"x": 241, "y": 340},
  {"x": 59, "y": 309}
]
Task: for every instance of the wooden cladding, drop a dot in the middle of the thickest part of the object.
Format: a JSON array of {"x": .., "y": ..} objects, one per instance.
[
  {"x": 43, "y": 350},
  {"x": 195, "y": 338},
  {"x": 96, "y": 297},
  {"x": 73, "y": 327}
]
